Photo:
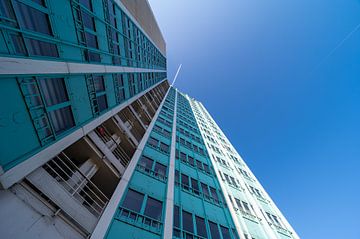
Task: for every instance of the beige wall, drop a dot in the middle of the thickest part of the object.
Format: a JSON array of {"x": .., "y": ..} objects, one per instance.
[{"x": 141, "y": 11}]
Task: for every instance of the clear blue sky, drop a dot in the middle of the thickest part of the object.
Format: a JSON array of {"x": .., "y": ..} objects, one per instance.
[{"x": 282, "y": 79}]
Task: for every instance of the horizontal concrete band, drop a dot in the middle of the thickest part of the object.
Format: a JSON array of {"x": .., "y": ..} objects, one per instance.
[{"x": 22, "y": 66}]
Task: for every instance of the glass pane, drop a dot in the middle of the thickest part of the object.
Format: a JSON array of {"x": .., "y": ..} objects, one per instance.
[
  {"x": 61, "y": 119},
  {"x": 164, "y": 147},
  {"x": 187, "y": 221},
  {"x": 6, "y": 9},
  {"x": 133, "y": 200},
  {"x": 191, "y": 160},
  {"x": 200, "y": 226},
  {"x": 102, "y": 102},
  {"x": 225, "y": 232},
  {"x": 87, "y": 4},
  {"x": 99, "y": 83},
  {"x": 176, "y": 216},
  {"x": 205, "y": 189},
  {"x": 41, "y": 48},
  {"x": 153, "y": 208},
  {"x": 91, "y": 40},
  {"x": 153, "y": 142},
  {"x": 53, "y": 91},
  {"x": 213, "y": 193},
  {"x": 18, "y": 43},
  {"x": 146, "y": 162},
  {"x": 32, "y": 19},
  {"x": 195, "y": 185},
  {"x": 185, "y": 181},
  {"x": 88, "y": 20},
  {"x": 160, "y": 169},
  {"x": 214, "y": 230}
]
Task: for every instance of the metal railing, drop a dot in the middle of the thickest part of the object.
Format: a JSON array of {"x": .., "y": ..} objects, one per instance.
[{"x": 76, "y": 183}]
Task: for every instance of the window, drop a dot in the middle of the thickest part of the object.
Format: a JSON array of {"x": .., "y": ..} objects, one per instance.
[
  {"x": 187, "y": 221},
  {"x": 99, "y": 84},
  {"x": 102, "y": 102},
  {"x": 198, "y": 164},
  {"x": 200, "y": 226},
  {"x": 183, "y": 157},
  {"x": 153, "y": 142},
  {"x": 206, "y": 168},
  {"x": 205, "y": 190},
  {"x": 214, "y": 231},
  {"x": 191, "y": 161},
  {"x": 133, "y": 200},
  {"x": 146, "y": 163},
  {"x": 176, "y": 216},
  {"x": 195, "y": 186},
  {"x": 160, "y": 169},
  {"x": 153, "y": 208},
  {"x": 164, "y": 147},
  {"x": 57, "y": 102},
  {"x": 225, "y": 232},
  {"x": 54, "y": 91},
  {"x": 39, "y": 48},
  {"x": 185, "y": 181},
  {"x": 214, "y": 194},
  {"x": 32, "y": 19}
]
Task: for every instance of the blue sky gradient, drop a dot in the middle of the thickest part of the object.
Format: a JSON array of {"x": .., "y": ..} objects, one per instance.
[{"x": 282, "y": 79}]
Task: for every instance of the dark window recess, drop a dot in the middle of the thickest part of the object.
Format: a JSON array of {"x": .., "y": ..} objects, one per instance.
[
  {"x": 32, "y": 19},
  {"x": 19, "y": 44},
  {"x": 153, "y": 142},
  {"x": 88, "y": 20},
  {"x": 176, "y": 216},
  {"x": 160, "y": 169},
  {"x": 91, "y": 40},
  {"x": 214, "y": 231},
  {"x": 187, "y": 221},
  {"x": 153, "y": 208},
  {"x": 41, "y": 48},
  {"x": 225, "y": 232},
  {"x": 185, "y": 181},
  {"x": 146, "y": 162},
  {"x": 53, "y": 90},
  {"x": 200, "y": 226},
  {"x": 164, "y": 147},
  {"x": 62, "y": 119},
  {"x": 99, "y": 83},
  {"x": 133, "y": 200},
  {"x": 102, "y": 102}
]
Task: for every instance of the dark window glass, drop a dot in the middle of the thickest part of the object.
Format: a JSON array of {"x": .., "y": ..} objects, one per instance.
[
  {"x": 195, "y": 185},
  {"x": 99, "y": 83},
  {"x": 146, "y": 162},
  {"x": 41, "y": 48},
  {"x": 153, "y": 142},
  {"x": 177, "y": 176},
  {"x": 53, "y": 91},
  {"x": 87, "y": 4},
  {"x": 198, "y": 164},
  {"x": 205, "y": 190},
  {"x": 191, "y": 161},
  {"x": 200, "y": 226},
  {"x": 18, "y": 44},
  {"x": 92, "y": 56},
  {"x": 206, "y": 168},
  {"x": 214, "y": 231},
  {"x": 153, "y": 208},
  {"x": 187, "y": 221},
  {"x": 102, "y": 102},
  {"x": 176, "y": 216},
  {"x": 133, "y": 200},
  {"x": 183, "y": 157},
  {"x": 88, "y": 20},
  {"x": 6, "y": 9},
  {"x": 32, "y": 19},
  {"x": 185, "y": 181},
  {"x": 62, "y": 119},
  {"x": 238, "y": 203},
  {"x": 213, "y": 193},
  {"x": 225, "y": 232},
  {"x": 160, "y": 169},
  {"x": 246, "y": 206},
  {"x": 91, "y": 40},
  {"x": 164, "y": 147}
]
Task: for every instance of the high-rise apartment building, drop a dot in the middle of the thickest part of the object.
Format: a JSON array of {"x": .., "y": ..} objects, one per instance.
[{"x": 95, "y": 143}]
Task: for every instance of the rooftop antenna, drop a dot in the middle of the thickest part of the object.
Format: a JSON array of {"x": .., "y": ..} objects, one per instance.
[{"x": 176, "y": 75}]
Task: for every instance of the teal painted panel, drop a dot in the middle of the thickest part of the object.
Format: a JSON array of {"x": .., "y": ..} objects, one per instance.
[
  {"x": 18, "y": 136},
  {"x": 146, "y": 184},
  {"x": 119, "y": 229}
]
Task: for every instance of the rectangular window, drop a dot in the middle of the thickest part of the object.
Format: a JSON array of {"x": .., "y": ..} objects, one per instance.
[
  {"x": 200, "y": 226},
  {"x": 195, "y": 186},
  {"x": 160, "y": 169},
  {"x": 225, "y": 232},
  {"x": 164, "y": 147},
  {"x": 102, "y": 102},
  {"x": 214, "y": 231},
  {"x": 191, "y": 161},
  {"x": 53, "y": 91},
  {"x": 187, "y": 221},
  {"x": 199, "y": 164},
  {"x": 62, "y": 119},
  {"x": 133, "y": 200},
  {"x": 32, "y": 19},
  {"x": 146, "y": 163},
  {"x": 176, "y": 216},
  {"x": 183, "y": 157},
  {"x": 99, "y": 83},
  {"x": 153, "y": 208},
  {"x": 205, "y": 190},
  {"x": 41, "y": 48},
  {"x": 185, "y": 181},
  {"x": 214, "y": 194},
  {"x": 153, "y": 142}
]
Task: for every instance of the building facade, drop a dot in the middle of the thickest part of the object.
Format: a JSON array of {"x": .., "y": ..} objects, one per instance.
[{"x": 95, "y": 143}]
